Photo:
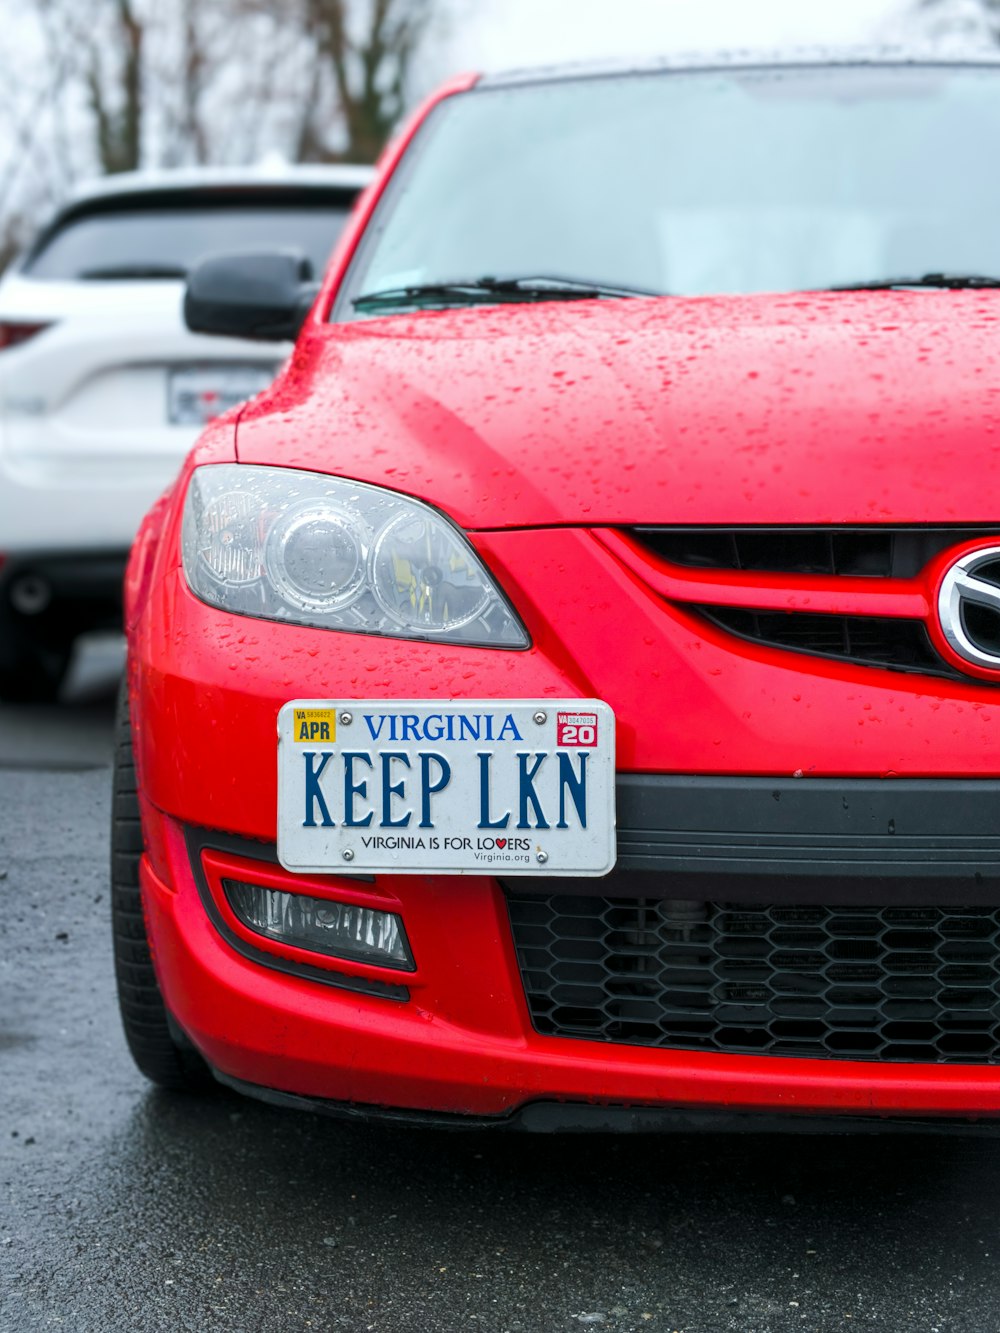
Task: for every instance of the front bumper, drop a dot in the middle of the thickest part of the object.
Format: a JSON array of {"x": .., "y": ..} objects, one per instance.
[
  {"x": 460, "y": 1040},
  {"x": 208, "y": 688}
]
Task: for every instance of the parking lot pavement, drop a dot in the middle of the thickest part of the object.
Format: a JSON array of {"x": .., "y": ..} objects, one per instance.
[{"x": 124, "y": 1208}]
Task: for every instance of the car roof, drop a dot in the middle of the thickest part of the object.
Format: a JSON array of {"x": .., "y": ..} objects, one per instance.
[
  {"x": 785, "y": 58},
  {"x": 278, "y": 176}
]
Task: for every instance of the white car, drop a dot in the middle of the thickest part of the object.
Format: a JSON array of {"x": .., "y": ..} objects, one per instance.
[{"x": 103, "y": 389}]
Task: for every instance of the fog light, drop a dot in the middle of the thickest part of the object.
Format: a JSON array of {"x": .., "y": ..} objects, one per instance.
[{"x": 340, "y": 930}]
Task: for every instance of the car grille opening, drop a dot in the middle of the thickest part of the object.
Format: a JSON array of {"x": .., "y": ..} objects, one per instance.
[
  {"x": 893, "y": 984},
  {"x": 854, "y": 552},
  {"x": 859, "y": 554},
  {"x": 883, "y": 641}
]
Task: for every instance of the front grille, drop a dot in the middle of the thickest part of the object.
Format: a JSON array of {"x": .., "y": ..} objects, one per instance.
[
  {"x": 897, "y": 984},
  {"x": 863, "y": 555},
  {"x": 899, "y": 553},
  {"x": 897, "y": 645}
]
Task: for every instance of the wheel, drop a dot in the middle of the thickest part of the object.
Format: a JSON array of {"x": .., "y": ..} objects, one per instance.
[
  {"x": 144, "y": 1016},
  {"x": 31, "y": 671}
]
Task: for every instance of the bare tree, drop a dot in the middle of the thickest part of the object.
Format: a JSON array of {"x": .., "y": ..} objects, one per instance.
[
  {"x": 975, "y": 21},
  {"x": 195, "y": 73},
  {"x": 340, "y": 68},
  {"x": 369, "y": 49},
  {"x": 112, "y": 85},
  {"x": 114, "y": 74}
]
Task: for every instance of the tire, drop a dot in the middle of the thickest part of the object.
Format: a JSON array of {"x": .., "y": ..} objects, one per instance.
[
  {"x": 30, "y": 671},
  {"x": 147, "y": 1024}
]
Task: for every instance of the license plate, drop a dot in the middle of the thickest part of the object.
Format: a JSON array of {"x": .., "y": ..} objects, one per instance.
[
  {"x": 197, "y": 395},
  {"x": 409, "y": 787}
]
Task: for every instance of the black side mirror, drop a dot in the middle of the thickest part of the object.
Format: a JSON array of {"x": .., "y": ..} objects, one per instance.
[{"x": 263, "y": 294}]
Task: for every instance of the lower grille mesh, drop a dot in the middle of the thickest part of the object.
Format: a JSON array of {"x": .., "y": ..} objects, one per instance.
[{"x": 919, "y": 984}]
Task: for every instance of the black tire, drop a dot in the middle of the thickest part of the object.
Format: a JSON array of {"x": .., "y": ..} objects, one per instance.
[
  {"x": 144, "y": 1016},
  {"x": 30, "y": 671}
]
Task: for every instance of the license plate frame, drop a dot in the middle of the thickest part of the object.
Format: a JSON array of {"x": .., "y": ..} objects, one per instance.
[
  {"x": 560, "y": 811},
  {"x": 197, "y": 394}
]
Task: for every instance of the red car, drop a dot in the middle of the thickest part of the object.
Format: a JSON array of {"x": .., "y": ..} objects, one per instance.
[{"x": 569, "y": 697}]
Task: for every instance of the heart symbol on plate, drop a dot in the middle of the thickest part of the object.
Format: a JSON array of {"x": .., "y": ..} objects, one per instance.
[{"x": 501, "y": 842}]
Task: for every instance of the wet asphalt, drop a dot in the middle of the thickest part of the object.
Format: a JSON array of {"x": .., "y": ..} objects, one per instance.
[{"x": 125, "y": 1208}]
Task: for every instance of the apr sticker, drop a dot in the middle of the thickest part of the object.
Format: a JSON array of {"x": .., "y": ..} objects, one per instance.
[{"x": 315, "y": 724}]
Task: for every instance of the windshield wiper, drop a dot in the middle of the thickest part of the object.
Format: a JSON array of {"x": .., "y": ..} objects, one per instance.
[
  {"x": 133, "y": 272},
  {"x": 487, "y": 291},
  {"x": 945, "y": 281}
]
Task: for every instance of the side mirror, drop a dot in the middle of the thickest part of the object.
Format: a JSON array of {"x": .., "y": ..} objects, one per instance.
[{"x": 263, "y": 294}]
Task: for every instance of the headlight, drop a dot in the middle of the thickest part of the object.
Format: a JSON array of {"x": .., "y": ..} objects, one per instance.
[{"x": 316, "y": 550}]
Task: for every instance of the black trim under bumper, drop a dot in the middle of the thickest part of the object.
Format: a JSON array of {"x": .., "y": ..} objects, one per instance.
[
  {"x": 590, "y": 1118},
  {"x": 805, "y": 840},
  {"x": 915, "y": 827}
]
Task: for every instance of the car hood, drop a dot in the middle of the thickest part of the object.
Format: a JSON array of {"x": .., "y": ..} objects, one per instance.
[{"x": 819, "y": 408}]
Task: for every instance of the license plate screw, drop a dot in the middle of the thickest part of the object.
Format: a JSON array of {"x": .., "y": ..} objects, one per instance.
[
  {"x": 348, "y": 854},
  {"x": 540, "y": 717},
  {"x": 346, "y": 719},
  {"x": 542, "y": 857}
]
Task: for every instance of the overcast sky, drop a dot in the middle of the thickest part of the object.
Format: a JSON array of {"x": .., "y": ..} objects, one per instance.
[{"x": 500, "y": 33}]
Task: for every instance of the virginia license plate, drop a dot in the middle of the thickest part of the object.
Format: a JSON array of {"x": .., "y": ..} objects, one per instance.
[{"x": 408, "y": 787}]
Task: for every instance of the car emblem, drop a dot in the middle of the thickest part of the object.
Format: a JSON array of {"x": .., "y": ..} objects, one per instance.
[{"x": 969, "y": 607}]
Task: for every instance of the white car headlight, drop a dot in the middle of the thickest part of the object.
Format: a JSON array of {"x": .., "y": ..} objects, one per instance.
[{"x": 316, "y": 550}]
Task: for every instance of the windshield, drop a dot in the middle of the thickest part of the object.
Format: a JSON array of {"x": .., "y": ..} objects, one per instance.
[
  {"x": 166, "y": 243},
  {"x": 698, "y": 183}
]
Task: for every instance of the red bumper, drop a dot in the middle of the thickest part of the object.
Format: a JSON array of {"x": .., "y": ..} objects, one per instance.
[
  {"x": 463, "y": 1043},
  {"x": 207, "y": 689}
]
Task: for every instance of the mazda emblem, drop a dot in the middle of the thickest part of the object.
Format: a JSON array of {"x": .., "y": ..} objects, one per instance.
[{"x": 969, "y": 607}]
